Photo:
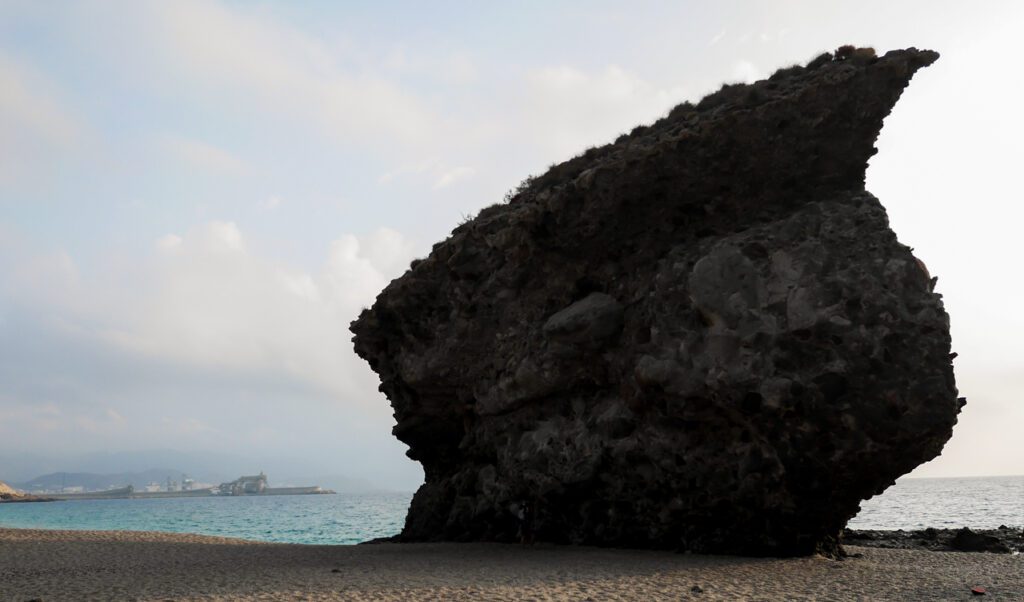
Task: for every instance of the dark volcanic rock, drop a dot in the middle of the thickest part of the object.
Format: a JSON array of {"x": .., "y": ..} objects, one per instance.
[
  {"x": 704, "y": 336},
  {"x": 1003, "y": 540},
  {"x": 966, "y": 540}
]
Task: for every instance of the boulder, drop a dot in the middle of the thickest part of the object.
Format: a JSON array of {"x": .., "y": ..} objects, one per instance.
[
  {"x": 704, "y": 336},
  {"x": 966, "y": 540}
]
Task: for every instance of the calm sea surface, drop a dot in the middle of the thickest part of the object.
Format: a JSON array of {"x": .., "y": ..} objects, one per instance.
[
  {"x": 315, "y": 519},
  {"x": 349, "y": 519},
  {"x": 977, "y": 502}
]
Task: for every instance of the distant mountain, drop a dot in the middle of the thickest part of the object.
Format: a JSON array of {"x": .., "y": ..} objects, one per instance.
[
  {"x": 92, "y": 481},
  {"x": 207, "y": 466},
  {"x": 89, "y": 481}
]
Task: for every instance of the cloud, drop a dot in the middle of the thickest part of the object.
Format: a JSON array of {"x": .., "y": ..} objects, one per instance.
[
  {"x": 48, "y": 281},
  {"x": 186, "y": 427},
  {"x": 203, "y": 155},
  {"x": 428, "y": 165},
  {"x": 456, "y": 68},
  {"x": 168, "y": 242},
  {"x": 269, "y": 204},
  {"x": 746, "y": 72},
  {"x": 452, "y": 176},
  {"x": 23, "y": 422},
  {"x": 571, "y": 109},
  {"x": 209, "y": 303},
  {"x": 204, "y": 326},
  {"x": 39, "y": 418},
  {"x": 432, "y": 169},
  {"x": 114, "y": 416},
  {"x": 388, "y": 251},
  {"x": 257, "y": 59},
  {"x": 33, "y": 121},
  {"x": 219, "y": 236}
]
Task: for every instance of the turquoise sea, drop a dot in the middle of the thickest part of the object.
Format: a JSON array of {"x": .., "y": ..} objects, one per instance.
[
  {"x": 348, "y": 519},
  {"x": 313, "y": 519}
]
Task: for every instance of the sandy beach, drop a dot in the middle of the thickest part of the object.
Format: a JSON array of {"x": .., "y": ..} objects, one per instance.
[{"x": 119, "y": 565}]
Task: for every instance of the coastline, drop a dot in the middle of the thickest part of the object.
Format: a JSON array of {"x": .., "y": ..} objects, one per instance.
[
  {"x": 26, "y": 499},
  {"x": 75, "y": 565}
]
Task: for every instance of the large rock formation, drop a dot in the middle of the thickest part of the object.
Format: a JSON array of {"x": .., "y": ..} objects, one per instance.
[{"x": 703, "y": 336}]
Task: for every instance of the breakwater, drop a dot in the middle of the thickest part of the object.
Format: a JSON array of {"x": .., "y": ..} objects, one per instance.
[{"x": 126, "y": 493}]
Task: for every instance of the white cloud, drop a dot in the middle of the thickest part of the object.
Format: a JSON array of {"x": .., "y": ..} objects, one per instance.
[
  {"x": 26, "y": 101},
  {"x": 254, "y": 58},
  {"x": 114, "y": 416},
  {"x": 186, "y": 427},
  {"x": 209, "y": 238},
  {"x": 222, "y": 236},
  {"x": 209, "y": 303},
  {"x": 428, "y": 165},
  {"x": 45, "y": 280},
  {"x": 38, "y": 417},
  {"x": 21, "y": 422},
  {"x": 460, "y": 68},
  {"x": 570, "y": 109},
  {"x": 168, "y": 242},
  {"x": 33, "y": 122},
  {"x": 204, "y": 301},
  {"x": 203, "y": 155},
  {"x": 301, "y": 285},
  {"x": 388, "y": 250},
  {"x": 452, "y": 176},
  {"x": 439, "y": 173},
  {"x": 456, "y": 68},
  {"x": 744, "y": 71},
  {"x": 270, "y": 203}
]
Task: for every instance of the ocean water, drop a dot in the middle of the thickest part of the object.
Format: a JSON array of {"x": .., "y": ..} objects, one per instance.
[
  {"x": 975, "y": 502},
  {"x": 311, "y": 519},
  {"x": 348, "y": 519}
]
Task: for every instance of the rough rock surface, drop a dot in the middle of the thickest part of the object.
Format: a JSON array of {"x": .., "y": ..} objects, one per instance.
[
  {"x": 1004, "y": 540},
  {"x": 703, "y": 336}
]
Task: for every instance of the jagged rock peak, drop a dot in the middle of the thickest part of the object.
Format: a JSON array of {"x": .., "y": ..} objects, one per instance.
[{"x": 703, "y": 336}]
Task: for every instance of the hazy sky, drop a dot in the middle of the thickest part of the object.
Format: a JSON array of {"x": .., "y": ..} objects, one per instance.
[{"x": 196, "y": 198}]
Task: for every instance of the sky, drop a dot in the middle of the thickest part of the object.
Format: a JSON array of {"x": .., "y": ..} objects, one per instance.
[{"x": 197, "y": 197}]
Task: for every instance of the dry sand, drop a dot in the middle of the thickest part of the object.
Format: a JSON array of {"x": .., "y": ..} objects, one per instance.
[{"x": 118, "y": 565}]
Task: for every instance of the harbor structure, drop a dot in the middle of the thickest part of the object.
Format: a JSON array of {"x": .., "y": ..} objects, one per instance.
[
  {"x": 242, "y": 486},
  {"x": 250, "y": 485}
]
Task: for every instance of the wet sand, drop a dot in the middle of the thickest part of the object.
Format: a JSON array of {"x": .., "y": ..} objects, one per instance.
[{"x": 119, "y": 565}]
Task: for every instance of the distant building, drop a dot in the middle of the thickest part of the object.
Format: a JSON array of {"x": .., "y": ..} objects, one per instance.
[{"x": 245, "y": 485}]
